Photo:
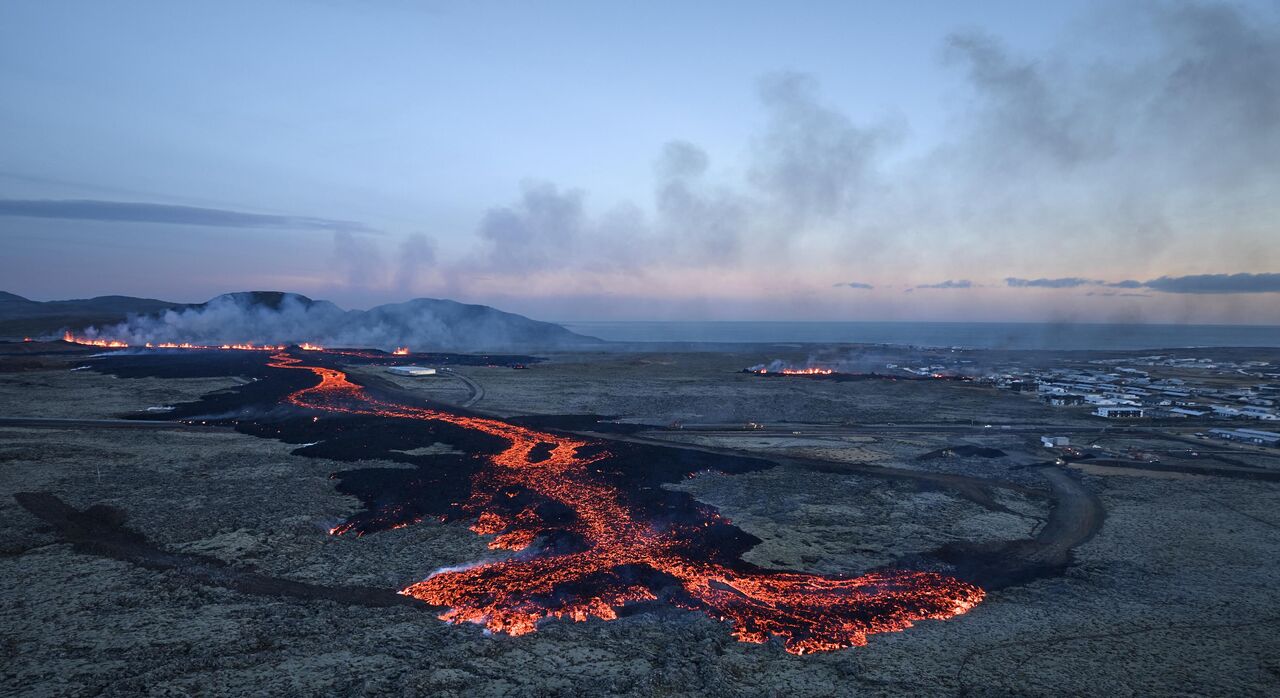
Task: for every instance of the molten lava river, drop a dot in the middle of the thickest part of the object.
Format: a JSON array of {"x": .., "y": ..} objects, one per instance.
[{"x": 585, "y": 544}]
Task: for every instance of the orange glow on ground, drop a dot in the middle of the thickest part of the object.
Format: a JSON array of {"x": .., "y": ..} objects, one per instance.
[{"x": 810, "y": 613}]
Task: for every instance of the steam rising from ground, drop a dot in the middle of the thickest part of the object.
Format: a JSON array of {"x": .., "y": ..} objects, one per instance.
[{"x": 268, "y": 318}]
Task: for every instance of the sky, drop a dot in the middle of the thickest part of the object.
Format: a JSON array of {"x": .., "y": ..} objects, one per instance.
[{"x": 1071, "y": 161}]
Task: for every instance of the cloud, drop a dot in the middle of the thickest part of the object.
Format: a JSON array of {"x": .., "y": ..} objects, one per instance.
[
  {"x": 539, "y": 231},
  {"x": 417, "y": 256},
  {"x": 812, "y": 161},
  {"x": 1217, "y": 283},
  {"x": 960, "y": 283},
  {"x": 1019, "y": 106},
  {"x": 1195, "y": 283},
  {"x": 358, "y": 260},
  {"x": 1059, "y": 158},
  {"x": 697, "y": 221},
  {"x": 1068, "y": 282},
  {"x": 139, "y": 212}
]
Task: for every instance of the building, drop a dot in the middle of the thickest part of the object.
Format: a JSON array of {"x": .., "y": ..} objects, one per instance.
[
  {"x": 1258, "y": 413},
  {"x": 1055, "y": 441},
  {"x": 1064, "y": 400},
  {"x": 1253, "y": 436},
  {"x": 1259, "y": 437},
  {"x": 1187, "y": 412},
  {"x": 414, "y": 371},
  {"x": 1118, "y": 412}
]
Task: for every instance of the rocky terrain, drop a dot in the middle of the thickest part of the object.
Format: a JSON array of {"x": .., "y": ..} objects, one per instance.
[{"x": 1176, "y": 592}]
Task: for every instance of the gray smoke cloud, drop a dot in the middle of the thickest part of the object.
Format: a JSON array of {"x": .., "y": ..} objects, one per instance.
[
  {"x": 417, "y": 256},
  {"x": 1156, "y": 127},
  {"x": 810, "y": 165},
  {"x": 538, "y": 231},
  {"x": 702, "y": 223},
  {"x": 1114, "y": 145},
  {"x": 141, "y": 212},
  {"x": 812, "y": 161},
  {"x": 358, "y": 259},
  {"x": 1161, "y": 120},
  {"x": 272, "y": 318}
]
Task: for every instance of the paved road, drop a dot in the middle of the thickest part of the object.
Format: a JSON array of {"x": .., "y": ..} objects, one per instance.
[
  {"x": 53, "y": 423},
  {"x": 784, "y": 428},
  {"x": 477, "y": 390},
  {"x": 1075, "y": 517}
]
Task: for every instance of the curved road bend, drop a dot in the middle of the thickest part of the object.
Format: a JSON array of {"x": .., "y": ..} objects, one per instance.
[{"x": 477, "y": 390}]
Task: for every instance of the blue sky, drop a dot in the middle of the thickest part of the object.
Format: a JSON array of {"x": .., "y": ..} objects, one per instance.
[{"x": 649, "y": 160}]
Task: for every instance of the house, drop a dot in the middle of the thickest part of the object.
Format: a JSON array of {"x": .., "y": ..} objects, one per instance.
[
  {"x": 1259, "y": 437},
  {"x": 1054, "y": 441},
  {"x": 1253, "y": 436},
  {"x": 1258, "y": 413},
  {"x": 1118, "y": 412},
  {"x": 1188, "y": 413}
]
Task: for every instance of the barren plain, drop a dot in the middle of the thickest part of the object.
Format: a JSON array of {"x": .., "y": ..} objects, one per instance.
[{"x": 1149, "y": 582}]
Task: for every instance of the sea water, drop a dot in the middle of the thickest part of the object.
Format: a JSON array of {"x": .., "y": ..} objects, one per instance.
[{"x": 976, "y": 335}]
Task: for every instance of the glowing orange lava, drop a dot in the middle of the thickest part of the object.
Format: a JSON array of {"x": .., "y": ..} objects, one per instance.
[
  {"x": 121, "y": 344},
  {"x": 808, "y": 612},
  {"x": 109, "y": 343},
  {"x": 401, "y": 351},
  {"x": 799, "y": 371},
  {"x": 807, "y": 371}
]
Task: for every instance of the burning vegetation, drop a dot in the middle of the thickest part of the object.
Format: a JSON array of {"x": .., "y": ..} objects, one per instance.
[
  {"x": 779, "y": 367},
  {"x": 120, "y": 344},
  {"x": 812, "y": 371}
]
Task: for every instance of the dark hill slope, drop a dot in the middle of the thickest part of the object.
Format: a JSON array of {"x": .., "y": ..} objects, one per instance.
[{"x": 275, "y": 317}]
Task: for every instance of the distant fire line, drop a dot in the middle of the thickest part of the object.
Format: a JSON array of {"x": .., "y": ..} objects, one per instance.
[
  {"x": 799, "y": 371},
  {"x": 239, "y": 346}
]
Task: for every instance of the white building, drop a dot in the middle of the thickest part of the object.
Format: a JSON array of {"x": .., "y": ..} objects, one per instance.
[
  {"x": 1119, "y": 412},
  {"x": 1055, "y": 441},
  {"x": 1253, "y": 436},
  {"x": 1188, "y": 413},
  {"x": 1258, "y": 413},
  {"x": 414, "y": 371}
]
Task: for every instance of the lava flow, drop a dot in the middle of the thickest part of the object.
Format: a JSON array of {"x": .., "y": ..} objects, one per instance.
[
  {"x": 802, "y": 371},
  {"x": 89, "y": 342},
  {"x": 608, "y": 553},
  {"x": 121, "y": 344}
]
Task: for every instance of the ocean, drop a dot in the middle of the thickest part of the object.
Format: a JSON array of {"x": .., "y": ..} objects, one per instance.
[{"x": 977, "y": 335}]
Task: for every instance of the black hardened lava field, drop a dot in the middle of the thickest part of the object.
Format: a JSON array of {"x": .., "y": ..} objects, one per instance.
[{"x": 590, "y": 528}]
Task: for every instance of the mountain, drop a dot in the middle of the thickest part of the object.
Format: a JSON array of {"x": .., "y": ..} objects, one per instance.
[
  {"x": 272, "y": 300},
  {"x": 275, "y": 317},
  {"x": 446, "y": 323},
  {"x": 21, "y": 316}
]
